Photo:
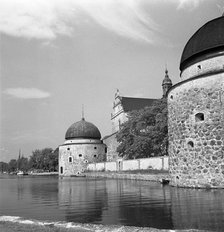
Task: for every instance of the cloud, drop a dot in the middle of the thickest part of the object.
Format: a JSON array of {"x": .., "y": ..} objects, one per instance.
[
  {"x": 46, "y": 19},
  {"x": 27, "y": 93},
  {"x": 191, "y": 4}
]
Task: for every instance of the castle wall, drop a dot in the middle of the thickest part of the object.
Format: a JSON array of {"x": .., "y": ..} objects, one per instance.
[
  {"x": 112, "y": 145},
  {"x": 125, "y": 165},
  {"x": 196, "y": 132},
  {"x": 73, "y": 158}
]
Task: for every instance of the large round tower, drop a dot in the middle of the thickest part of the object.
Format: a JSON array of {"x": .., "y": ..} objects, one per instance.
[{"x": 196, "y": 111}]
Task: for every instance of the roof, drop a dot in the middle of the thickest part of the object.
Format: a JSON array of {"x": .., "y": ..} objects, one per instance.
[
  {"x": 209, "y": 37},
  {"x": 130, "y": 103},
  {"x": 83, "y": 129}
]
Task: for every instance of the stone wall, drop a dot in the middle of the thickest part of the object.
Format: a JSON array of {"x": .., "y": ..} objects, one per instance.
[
  {"x": 196, "y": 132},
  {"x": 73, "y": 158},
  {"x": 112, "y": 145}
]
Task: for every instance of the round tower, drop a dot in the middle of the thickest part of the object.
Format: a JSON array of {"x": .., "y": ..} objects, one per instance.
[
  {"x": 196, "y": 111},
  {"x": 82, "y": 145}
]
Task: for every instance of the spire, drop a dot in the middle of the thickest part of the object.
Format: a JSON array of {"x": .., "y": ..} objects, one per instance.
[
  {"x": 83, "y": 112},
  {"x": 167, "y": 83}
]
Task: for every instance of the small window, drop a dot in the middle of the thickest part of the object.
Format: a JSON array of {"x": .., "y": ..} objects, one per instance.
[
  {"x": 70, "y": 159},
  {"x": 105, "y": 149},
  {"x": 80, "y": 155},
  {"x": 95, "y": 156},
  {"x": 190, "y": 144},
  {"x": 61, "y": 169},
  {"x": 199, "y": 117},
  {"x": 68, "y": 149},
  {"x": 171, "y": 96},
  {"x": 199, "y": 67},
  {"x": 95, "y": 147}
]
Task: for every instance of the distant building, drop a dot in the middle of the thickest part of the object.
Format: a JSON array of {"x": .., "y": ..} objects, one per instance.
[
  {"x": 82, "y": 145},
  {"x": 121, "y": 107},
  {"x": 196, "y": 111}
]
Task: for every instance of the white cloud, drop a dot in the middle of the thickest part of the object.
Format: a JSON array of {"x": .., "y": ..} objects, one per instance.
[
  {"x": 27, "y": 93},
  {"x": 45, "y": 19},
  {"x": 189, "y": 3}
]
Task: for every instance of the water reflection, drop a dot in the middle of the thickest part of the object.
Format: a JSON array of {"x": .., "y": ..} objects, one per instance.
[
  {"x": 199, "y": 209},
  {"x": 104, "y": 201},
  {"x": 83, "y": 200}
]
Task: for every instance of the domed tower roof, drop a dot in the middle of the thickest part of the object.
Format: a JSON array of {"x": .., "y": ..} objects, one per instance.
[
  {"x": 166, "y": 80},
  {"x": 209, "y": 39},
  {"x": 82, "y": 129}
]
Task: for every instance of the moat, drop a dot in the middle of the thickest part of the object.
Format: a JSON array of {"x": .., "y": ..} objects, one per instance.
[{"x": 111, "y": 202}]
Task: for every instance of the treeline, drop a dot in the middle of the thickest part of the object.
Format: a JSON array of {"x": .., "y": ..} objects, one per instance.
[{"x": 41, "y": 160}]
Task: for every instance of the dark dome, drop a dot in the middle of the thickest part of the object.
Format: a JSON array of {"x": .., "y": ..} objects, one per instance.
[
  {"x": 208, "y": 39},
  {"x": 83, "y": 129}
]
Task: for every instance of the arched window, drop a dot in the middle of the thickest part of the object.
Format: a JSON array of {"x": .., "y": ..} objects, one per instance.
[{"x": 199, "y": 117}]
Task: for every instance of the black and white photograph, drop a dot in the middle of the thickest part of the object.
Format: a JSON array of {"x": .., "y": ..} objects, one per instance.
[{"x": 111, "y": 115}]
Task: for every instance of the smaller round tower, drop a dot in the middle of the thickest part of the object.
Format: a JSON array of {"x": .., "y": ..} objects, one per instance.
[{"x": 82, "y": 145}]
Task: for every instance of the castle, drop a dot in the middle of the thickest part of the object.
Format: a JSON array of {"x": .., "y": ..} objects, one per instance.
[
  {"x": 121, "y": 107},
  {"x": 195, "y": 117},
  {"x": 196, "y": 112}
]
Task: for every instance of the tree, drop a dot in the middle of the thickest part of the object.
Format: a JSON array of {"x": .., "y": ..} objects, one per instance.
[
  {"x": 145, "y": 133},
  {"x": 12, "y": 165}
]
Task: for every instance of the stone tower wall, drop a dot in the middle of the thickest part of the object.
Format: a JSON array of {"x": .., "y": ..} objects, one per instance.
[
  {"x": 73, "y": 158},
  {"x": 196, "y": 132}
]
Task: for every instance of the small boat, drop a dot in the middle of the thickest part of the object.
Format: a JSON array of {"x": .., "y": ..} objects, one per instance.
[{"x": 22, "y": 173}]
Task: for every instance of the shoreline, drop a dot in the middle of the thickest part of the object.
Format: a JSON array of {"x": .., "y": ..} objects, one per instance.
[
  {"x": 160, "y": 177},
  {"x": 14, "y": 224}
]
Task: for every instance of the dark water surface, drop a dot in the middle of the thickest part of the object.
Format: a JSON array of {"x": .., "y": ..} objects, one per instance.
[{"x": 111, "y": 202}]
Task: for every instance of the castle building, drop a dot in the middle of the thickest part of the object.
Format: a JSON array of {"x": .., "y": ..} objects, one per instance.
[
  {"x": 124, "y": 105},
  {"x": 196, "y": 112},
  {"x": 82, "y": 145}
]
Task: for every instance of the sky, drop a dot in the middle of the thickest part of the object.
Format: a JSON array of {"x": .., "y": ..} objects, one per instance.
[{"x": 56, "y": 56}]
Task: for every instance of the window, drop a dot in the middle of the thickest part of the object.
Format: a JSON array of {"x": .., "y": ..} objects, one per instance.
[
  {"x": 105, "y": 149},
  {"x": 61, "y": 169},
  {"x": 95, "y": 147},
  {"x": 199, "y": 67},
  {"x": 70, "y": 159},
  {"x": 199, "y": 117},
  {"x": 80, "y": 155},
  {"x": 190, "y": 144},
  {"x": 171, "y": 96},
  {"x": 95, "y": 156},
  {"x": 68, "y": 149}
]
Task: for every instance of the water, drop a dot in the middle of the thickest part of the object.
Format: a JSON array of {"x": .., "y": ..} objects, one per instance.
[{"x": 111, "y": 202}]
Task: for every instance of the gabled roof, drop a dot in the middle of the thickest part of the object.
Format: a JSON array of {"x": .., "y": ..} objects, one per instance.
[{"x": 130, "y": 103}]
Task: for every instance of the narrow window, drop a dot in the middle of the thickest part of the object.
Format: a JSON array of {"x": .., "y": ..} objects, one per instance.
[
  {"x": 199, "y": 117},
  {"x": 190, "y": 144},
  {"x": 105, "y": 149},
  {"x": 61, "y": 170},
  {"x": 80, "y": 155},
  {"x": 70, "y": 159}
]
